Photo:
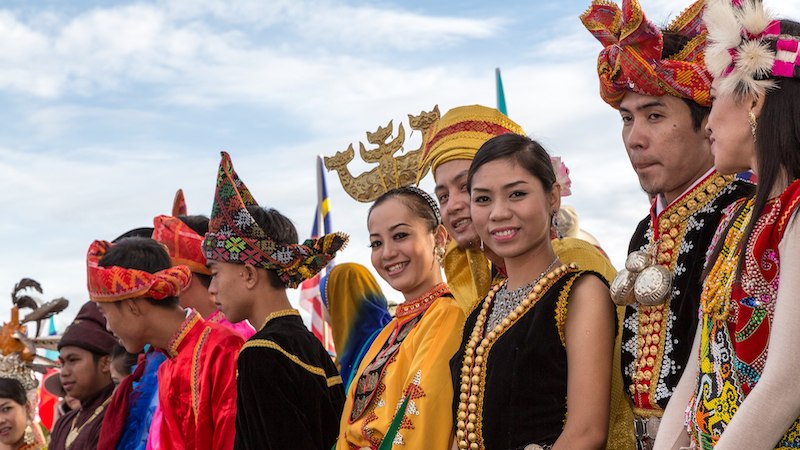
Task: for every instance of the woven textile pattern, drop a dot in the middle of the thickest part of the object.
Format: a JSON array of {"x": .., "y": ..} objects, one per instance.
[{"x": 234, "y": 236}]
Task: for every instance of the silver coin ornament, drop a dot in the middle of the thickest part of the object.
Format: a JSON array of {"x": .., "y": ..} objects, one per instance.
[
  {"x": 653, "y": 285},
  {"x": 622, "y": 288},
  {"x": 637, "y": 261}
]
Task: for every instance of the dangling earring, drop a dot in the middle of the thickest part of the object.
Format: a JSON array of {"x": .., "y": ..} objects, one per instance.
[
  {"x": 753, "y": 123},
  {"x": 29, "y": 437},
  {"x": 438, "y": 253},
  {"x": 481, "y": 246},
  {"x": 554, "y": 225}
]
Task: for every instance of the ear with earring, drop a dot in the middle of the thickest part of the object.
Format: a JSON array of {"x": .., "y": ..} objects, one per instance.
[{"x": 753, "y": 123}]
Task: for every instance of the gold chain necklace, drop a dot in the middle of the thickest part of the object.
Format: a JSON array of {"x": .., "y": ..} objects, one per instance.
[{"x": 75, "y": 432}]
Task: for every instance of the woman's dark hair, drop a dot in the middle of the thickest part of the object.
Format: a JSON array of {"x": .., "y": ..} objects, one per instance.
[
  {"x": 11, "y": 388},
  {"x": 198, "y": 224},
  {"x": 279, "y": 228},
  {"x": 526, "y": 152},
  {"x": 777, "y": 136},
  {"x": 417, "y": 200},
  {"x": 143, "y": 254},
  {"x": 127, "y": 360},
  {"x": 673, "y": 44}
]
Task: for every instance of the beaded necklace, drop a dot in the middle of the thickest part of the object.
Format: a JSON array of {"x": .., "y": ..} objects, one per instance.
[
  {"x": 473, "y": 366},
  {"x": 506, "y": 300},
  {"x": 716, "y": 297}
]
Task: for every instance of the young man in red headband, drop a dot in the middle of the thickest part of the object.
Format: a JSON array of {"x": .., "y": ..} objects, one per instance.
[
  {"x": 85, "y": 355},
  {"x": 659, "y": 85},
  {"x": 136, "y": 288},
  {"x": 290, "y": 395}
]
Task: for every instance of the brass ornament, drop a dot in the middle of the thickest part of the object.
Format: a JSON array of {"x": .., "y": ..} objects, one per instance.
[
  {"x": 392, "y": 172},
  {"x": 753, "y": 124},
  {"x": 622, "y": 288},
  {"x": 643, "y": 280},
  {"x": 637, "y": 261},
  {"x": 653, "y": 285}
]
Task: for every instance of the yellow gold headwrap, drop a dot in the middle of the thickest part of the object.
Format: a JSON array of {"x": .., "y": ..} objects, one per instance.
[{"x": 460, "y": 133}]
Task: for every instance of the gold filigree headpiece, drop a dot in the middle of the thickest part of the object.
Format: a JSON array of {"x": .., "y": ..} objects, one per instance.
[
  {"x": 18, "y": 358},
  {"x": 392, "y": 171}
]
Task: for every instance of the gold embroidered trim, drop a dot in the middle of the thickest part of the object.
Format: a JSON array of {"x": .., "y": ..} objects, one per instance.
[
  {"x": 561, "y": 309},
  {"x": 281, "y": 313},
  {"x": 195, "y": 384},
  {"x": 188, "y": 324},
  {"x": 264, "y": 343},
  {"x": 653, "y": 320}
]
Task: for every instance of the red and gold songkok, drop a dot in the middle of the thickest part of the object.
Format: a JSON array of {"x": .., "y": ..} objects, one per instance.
[
  {"x": 113, "y": 284},
  {"x": 184, "y": 245},
  {"x": 631, "y": 60},
  {"x": 460, "y": 133},
  {"x": 235, "y": 237}
]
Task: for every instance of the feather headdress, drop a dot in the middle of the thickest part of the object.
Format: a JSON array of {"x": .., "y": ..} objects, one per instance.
[{"x": 746, "y": 49}]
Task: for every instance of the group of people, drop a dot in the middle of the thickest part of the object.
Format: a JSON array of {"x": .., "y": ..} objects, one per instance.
[{"x": 509, "y": 336}]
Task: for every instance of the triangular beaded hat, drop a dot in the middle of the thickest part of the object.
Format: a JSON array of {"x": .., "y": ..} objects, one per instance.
[{"x": 234, "y": 236}]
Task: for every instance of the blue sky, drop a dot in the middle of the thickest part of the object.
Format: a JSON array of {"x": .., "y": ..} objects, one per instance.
[{"x": 109, "y": 107}]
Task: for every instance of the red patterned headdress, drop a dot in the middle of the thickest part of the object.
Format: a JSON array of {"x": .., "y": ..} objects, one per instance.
[
  {"x": 234, "y": 236},
  {"x": 631, "y": 60},
  {"x": 113, "y": 284},
  {"x": 179, "y": 204},
  {"x": 184, "y": 245}
]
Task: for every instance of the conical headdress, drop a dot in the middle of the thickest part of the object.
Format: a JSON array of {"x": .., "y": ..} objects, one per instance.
[{"x": 234, "y": 236}]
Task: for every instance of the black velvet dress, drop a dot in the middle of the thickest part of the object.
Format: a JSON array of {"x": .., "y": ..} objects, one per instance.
[{"x": 524, "y": 384}]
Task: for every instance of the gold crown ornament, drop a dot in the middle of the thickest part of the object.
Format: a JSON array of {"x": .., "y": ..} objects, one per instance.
[
  {"x": 392, "y": 171},
  {"x": 18, "y": 358}
]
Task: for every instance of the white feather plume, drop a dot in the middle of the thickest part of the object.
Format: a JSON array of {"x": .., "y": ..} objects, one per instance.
[
  {"x": 754, "y": 17},
  {"x": 727, "y": 24},
  {"x": 723, "y": 33}
]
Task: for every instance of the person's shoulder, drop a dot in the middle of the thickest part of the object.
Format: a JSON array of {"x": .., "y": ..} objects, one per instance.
[
  {"x": 735, "y": 191},
  {"x": 446, "y": 305},
  {"x": 220, "y": 334}
]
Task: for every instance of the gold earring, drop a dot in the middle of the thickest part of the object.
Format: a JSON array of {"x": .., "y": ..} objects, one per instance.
[
  {"x": 753, "y": 123},
  {"x": 29, "y": 437},
  {"x": 438, "y": 253}
]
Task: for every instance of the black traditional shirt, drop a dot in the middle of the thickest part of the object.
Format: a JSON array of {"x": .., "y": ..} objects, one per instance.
[
  {"x": 289, "y": 393},
  {"x": 657, "y": 340}
]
